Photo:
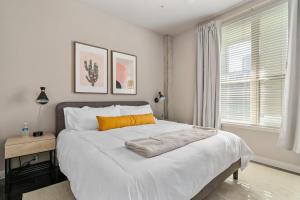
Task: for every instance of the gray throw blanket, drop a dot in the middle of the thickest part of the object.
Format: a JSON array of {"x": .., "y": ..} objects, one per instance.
[{"x": 154, "y": 146}]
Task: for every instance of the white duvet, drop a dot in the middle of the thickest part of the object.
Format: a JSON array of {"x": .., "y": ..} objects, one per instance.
[{"x": 99, "y": 167}]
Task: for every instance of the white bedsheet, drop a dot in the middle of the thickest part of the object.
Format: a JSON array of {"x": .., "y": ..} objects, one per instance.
[{"x": 100, "y": 167}]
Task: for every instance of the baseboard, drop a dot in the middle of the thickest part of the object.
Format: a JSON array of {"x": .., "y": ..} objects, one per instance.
[
  {"x": 277, "y": 164},
  {"x": 2, "y": 176}
]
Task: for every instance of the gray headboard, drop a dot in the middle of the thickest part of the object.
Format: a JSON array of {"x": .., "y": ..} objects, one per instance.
[{"x": 59, "y": 115}]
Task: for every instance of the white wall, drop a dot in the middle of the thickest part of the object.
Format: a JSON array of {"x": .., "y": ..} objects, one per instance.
[
  {"x": 183, "y": 74},
  {"x": 36, "y": 49},
  {"x": 263, "y": 143}
]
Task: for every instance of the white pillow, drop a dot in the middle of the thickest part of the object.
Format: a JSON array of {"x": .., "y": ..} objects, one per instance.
[
  {"x": 135, "y": 110},
  {"x": 85, "y": 118}
]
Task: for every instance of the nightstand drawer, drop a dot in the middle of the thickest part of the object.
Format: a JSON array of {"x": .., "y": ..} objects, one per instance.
[{"x": 16, "y": 150}]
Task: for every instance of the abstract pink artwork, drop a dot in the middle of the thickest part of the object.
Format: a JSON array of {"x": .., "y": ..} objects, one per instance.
[
  {"x": 124, "y": 73},
  {"x": 121, "y": 75}
]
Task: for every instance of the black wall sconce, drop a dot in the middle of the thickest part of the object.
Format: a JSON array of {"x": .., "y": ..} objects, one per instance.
[
  {"x": 160, "y": 97},
  {"x": 42, "y": 99}
]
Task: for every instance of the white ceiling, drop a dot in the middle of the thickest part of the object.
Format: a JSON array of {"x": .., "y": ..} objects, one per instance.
[{"x": 164, "y": 16}]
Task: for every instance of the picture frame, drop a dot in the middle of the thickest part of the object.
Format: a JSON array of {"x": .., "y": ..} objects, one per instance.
[
  {"x": 124, "y": 73},
  {"x": 91, "y": 69}
]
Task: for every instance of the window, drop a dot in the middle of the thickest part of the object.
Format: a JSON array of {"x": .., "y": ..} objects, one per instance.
[{"x": 253, "y": 64}]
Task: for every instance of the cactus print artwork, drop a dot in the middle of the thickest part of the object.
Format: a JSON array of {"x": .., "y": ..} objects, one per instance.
[{"x": 91, "y": 69}]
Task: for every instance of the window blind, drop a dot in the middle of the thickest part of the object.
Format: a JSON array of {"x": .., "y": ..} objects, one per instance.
[{"x": 253, "y": 65}]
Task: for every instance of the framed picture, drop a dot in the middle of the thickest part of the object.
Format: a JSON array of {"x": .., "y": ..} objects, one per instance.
[
  {"x": 91, "y": 69},
  {"x": 124, "y": 70}
]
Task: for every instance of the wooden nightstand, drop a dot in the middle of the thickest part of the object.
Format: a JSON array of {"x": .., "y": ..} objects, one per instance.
[{"x": 21, "y": 146}]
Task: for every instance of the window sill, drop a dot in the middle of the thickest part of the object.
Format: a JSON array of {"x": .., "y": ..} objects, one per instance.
[{"x": 250, "y": 127}]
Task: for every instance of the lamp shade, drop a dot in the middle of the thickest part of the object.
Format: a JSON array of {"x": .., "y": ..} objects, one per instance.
[{"x": 42, "y": 98}]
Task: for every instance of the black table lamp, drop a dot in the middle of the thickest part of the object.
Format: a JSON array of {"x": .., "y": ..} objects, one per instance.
[{"x": 42, "y": 99}]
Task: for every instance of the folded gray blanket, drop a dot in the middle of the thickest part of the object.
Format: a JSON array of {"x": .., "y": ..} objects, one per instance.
[{"x": 154, "y": 146}]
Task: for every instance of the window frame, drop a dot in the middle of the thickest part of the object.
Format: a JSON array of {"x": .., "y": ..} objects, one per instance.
[
  {"x": 255, "y": 105},
  {"x": 249, "y": 127}
]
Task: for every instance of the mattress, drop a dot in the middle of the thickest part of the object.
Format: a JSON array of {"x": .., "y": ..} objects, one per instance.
[{"x": 99, "y": 166}]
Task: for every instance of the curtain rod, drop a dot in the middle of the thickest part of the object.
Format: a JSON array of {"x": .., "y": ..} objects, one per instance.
[
  {"x": 240, "y": 10},
  {"x": 246, "y": 10}
]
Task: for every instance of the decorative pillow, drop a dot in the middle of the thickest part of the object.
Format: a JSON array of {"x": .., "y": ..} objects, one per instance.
[
  {"x": 106, "y": 123},
  {"x": 85, "y": 118},
  {"x": 135, "y": 110}
]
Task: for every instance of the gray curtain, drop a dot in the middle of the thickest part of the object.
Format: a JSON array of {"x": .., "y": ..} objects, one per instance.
[
  {"x": 206, "y": 108},
  {"x": 290, "y": 131}
]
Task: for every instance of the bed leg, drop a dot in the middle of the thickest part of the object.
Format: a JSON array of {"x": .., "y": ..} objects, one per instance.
[{"x": 236, "y": 175}]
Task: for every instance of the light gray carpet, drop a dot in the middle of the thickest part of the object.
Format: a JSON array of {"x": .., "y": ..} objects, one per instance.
[{"x": 257, "y": 182}]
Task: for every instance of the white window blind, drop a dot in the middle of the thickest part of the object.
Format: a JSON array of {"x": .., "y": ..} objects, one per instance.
[{"x": 254, "y": 54}]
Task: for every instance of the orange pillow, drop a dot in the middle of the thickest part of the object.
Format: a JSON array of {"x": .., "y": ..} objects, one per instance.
[{"x": 106, "y": 123}]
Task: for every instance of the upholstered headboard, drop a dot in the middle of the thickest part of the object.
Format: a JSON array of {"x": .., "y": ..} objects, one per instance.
[{"x": 59, "y": 115}]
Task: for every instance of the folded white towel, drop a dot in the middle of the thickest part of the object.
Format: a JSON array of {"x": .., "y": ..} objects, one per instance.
[{"x": 153, "y": 146}]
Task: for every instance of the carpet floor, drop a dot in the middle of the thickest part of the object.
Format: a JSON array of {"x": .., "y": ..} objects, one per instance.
[{"x": 257, "y": 182}]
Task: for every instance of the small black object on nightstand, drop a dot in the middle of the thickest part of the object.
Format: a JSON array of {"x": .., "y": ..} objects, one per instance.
[{"x": 37, "y": 133}]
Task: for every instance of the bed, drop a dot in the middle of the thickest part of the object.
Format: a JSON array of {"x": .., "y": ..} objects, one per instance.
[{"x": 98, "y": 165}]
